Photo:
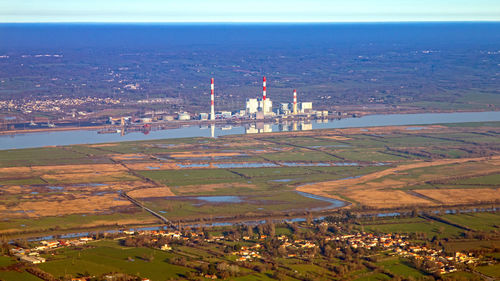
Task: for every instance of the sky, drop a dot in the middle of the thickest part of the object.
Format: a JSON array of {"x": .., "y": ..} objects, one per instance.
[{"x": 248, "y": 11}]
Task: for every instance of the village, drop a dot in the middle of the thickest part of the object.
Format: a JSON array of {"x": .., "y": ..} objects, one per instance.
[{"x": 255, "y": 247}]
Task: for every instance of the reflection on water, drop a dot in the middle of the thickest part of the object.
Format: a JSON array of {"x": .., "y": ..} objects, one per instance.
[{"x": 40, "y": 139}]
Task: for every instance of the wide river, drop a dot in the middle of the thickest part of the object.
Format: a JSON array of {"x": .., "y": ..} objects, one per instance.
[{"x": 40, "y": 139}]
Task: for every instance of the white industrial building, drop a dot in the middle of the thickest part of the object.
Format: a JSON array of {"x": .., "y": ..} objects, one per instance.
[
  {"x": 266, "y": 107},
  {"x": 252, "y": 106},
  {"x": 306, "y": 107},
  {"x": 183, "y": 116}
]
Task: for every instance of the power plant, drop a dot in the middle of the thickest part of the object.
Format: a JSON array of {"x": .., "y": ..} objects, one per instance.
[{"x": 258, "y": 108}]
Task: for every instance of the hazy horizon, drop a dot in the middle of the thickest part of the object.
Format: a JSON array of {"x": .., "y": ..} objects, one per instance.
[{"x": 257, "y": 11}]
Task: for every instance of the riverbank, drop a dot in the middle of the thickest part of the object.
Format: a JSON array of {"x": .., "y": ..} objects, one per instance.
[
  {"x": 79, "y": 136},
  {"x": 176, "y": 124}
]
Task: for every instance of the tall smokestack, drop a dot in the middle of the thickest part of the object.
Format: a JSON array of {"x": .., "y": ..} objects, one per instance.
[
  {"x": 212, "y": 108},
  {"x": 294, "y": 101},
  {"x": 264, "y": 95}
]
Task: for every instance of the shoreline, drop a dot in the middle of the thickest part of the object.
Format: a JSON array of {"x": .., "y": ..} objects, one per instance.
[{"x": 275, "y": 119}]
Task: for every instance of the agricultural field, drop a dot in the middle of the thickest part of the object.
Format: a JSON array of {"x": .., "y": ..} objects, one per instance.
[{"x": 251, "y": 176}]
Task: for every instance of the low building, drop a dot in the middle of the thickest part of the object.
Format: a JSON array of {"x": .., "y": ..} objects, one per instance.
[
  {"x": 203, "y": 116},
  {"x": 31, "y": 259},
  {"x": 183, "y": 116},
  {"x": 225, "y": 114},
  {"x": 168, "y": 118}
]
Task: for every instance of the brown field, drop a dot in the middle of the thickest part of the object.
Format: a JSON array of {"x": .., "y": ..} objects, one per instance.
[
  {"x": 79, "y": 168},
  {"x": 373, "y": 193},
  {"x": 112, "y": 186},
  {"x": 340, "y": 138},
  {"x": 65, "y": 204},
  {"x": 89, "y": 177},
  {"x": 200, "y": 154},
  {"x": 8, "y": 172},
  {"x": 387, "y": 198},
  {"x": 11, "y": 189},
  {"x": 151, "y": 192},
  {"x": 461, "y": 196},
  {"x": 190, "y": 189},
  {"x": 124, "y": 157},
  {"x": 156, "y": 165},
  {"x": 103, "y": 145}
]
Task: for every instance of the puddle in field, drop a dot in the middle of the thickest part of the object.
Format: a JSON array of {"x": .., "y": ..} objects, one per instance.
[
  {"x": 208, "y": 158},
  {"x": 350, "y": 178},
  {"x": 89, "y": 185},
  {"x": 245, "y": 165},
  {"x": 193, "y": 165},
  {"x": 133, "y": 156},
  {"x": 346, "y": 164},
  {"x": 219, "y": 199},
  {"x": 58, "y": 188},
  {"x": 282, "y": 180},
  {"x": 153, "y": 168},
  {"x": 415, "y": 128},
  {"x": 165, "y": 145},
  {"x": 296, "y": 164},
  {"x": 104, "y": 193},
  {"x": 22, "y": 211}
]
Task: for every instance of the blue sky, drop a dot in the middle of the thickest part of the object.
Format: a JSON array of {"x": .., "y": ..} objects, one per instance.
[{"x": 247, "y": 11}]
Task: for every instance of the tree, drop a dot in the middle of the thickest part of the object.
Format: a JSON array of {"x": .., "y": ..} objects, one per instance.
[
  {"x": 270, "y": 229},
  {"x": 309, "y": 219},
  {"x": 250, "y": 231}
]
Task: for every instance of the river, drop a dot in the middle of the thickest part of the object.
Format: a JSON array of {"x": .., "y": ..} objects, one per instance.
[{"x": 48, "y": 138}]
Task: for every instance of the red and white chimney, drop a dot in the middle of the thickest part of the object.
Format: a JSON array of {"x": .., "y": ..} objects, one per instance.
[
  {"x": 294, "y": 101},
  {"x": 212, "y": 108},
  {"x": 264, "y": 86}
]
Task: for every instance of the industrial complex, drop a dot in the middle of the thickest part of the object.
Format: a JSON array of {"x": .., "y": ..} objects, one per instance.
[
  {"x": 259, "y": 108},
  {"x": 257, "y": 113}
]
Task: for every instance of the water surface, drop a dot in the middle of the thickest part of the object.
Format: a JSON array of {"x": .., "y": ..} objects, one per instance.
[{"x": 40, "y": 139}]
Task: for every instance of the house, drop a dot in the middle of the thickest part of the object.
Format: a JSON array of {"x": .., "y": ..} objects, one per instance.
[
  {"x": 32, "y": 259},
  {"x": 166, "y": 247}
]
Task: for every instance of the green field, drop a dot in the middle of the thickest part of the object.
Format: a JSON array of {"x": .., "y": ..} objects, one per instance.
[
  {"x": 110, "y": 257},
  {"x": 413, "y": 225},
  {"x": 476, "y": 221},
  {"x": 490, "y": 270},
  {"x": 401, "y": 268}
]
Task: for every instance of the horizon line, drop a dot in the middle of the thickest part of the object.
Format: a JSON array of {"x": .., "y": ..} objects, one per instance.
[{"x": 252, "y": 22}]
